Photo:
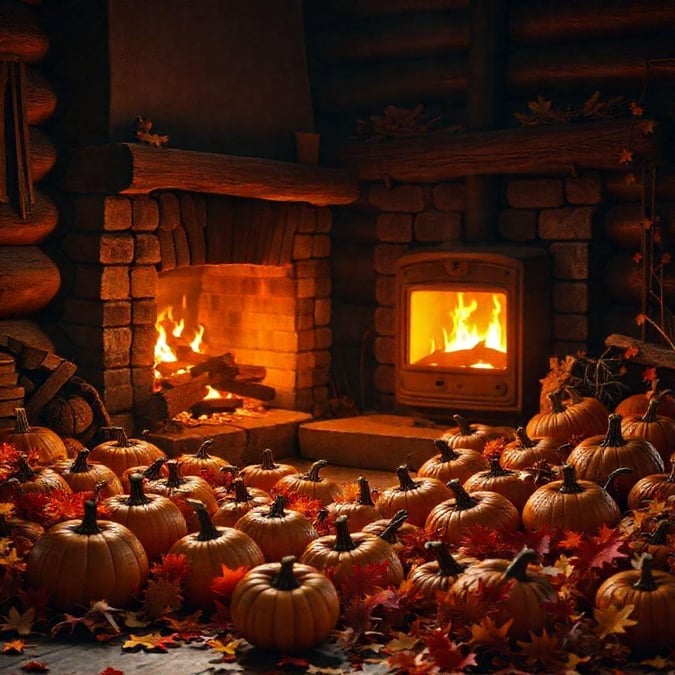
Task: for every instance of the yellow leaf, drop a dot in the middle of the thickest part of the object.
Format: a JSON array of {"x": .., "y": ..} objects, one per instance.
[
  {"x": 573, "y": 660},
  {"x": 14, "y": 647},
  {"x": 488, "y": 633},
  {"x": 657, "y": 662},
  {"x": 402, "y": 642},
  {"x": 228, "y": 647},
  {"x": 150, "y": 642},
  {"x": 613, "y": 620}
]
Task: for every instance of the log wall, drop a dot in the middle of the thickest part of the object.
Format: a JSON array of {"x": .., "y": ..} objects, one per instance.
[
  {"x": 578, "y": 201},
  {"x": 29, "y": 276}
]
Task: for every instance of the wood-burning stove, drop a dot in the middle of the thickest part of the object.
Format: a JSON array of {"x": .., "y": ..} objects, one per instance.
[{"x": 473, "y": 329}]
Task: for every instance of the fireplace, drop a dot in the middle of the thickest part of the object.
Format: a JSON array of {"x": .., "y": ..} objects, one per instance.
[{"x": 473, "y": 327}]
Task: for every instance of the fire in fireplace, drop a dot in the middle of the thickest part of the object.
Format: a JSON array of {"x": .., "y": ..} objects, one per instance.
[{"x": 473, "y": 328}]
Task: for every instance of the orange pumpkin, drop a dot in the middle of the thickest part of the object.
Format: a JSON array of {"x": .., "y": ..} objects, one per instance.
[
  {"x": 24, "y": 533},
  {"x": 450, "y": 519},
  {"x": 474, "y": 436},
  {"x": 416, "y": 497},
  {"x": 32, "y": 479},
  {"x": 84, "y": 476},
  {"x": 310, "y": 485},
  {"x": 201, "y": 462},
  {"x": 656, "y": 486},
  {"x": 80, "y": 562},
  {"x": 596, "y": 457},
  {"x": 436, "y": 575},
  {"x": 123, "y": 452},
  {"x": 44, "y": 443},
  {"x": 238, "y": 502},
  {"x": 393, "y": 530},
  {"x": 570, "y": 504},
  {"x": 154, "y": 519},
  {"x": 207, "y": 550},
  {"x": 525, "y": 452},
  {"x": 637, "y": 404},
  {"x": 285, "y": 606},
  {"x": 361, "y": 511},
  {"x": 338, "y": 554},
  {"x": 266, "y": 474},
  {"x": 651, "y": 593},
  {"x": 526, "y": 592},
  {"x": 659, "y": 430},
  {"x": 278, "y": 531},
  {"x": 158, "y": 469},
  {"x": 452, "y": 462}
]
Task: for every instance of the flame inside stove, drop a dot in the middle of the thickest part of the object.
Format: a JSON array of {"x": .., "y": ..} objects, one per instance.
[{"x": 458, "y": 329}]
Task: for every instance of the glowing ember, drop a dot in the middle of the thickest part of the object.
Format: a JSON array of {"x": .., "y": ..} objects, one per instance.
[{"x": 458, "y": 329}]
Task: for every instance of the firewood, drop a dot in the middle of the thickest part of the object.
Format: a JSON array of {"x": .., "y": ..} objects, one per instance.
[
  {"x": 247, "y": 389},
  {"x": 34, "y": 229},
  {"x": 648, "y": 354},
  {"x": 193, "y": 228},
  {"x": 214, "y": 405},
  {"x": 165, "y": 405},
  {"x": 167, "y": 249}
]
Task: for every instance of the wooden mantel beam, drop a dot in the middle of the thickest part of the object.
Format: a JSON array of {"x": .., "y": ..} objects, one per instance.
[
  {"x": 131, "y": 168},
  {"x": 543, "y": 149}
]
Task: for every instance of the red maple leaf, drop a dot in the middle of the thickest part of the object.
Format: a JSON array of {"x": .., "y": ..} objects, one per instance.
[
  {"x": 447, "y": 655},
  {"x": 111, "y": 671},
  {"x": 363, "y": 579},
  {"x": 482, "y": 541},
  {"x": 600, "y": 550},
  {"x": 9, "y": 460},
  {"x": 571, "y": 540},
  {"x": 173, "y": 567},
  {"x": 224, "y": 584},
  {"x": 35, "y": 667}
]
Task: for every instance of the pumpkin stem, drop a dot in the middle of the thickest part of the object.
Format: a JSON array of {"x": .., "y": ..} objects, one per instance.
[
  {"x": 614, "y": 438},
  {"x": 313, "y": 473},
  {"x": 21, "y": 425},
  {"x": 24, "y": 472},
  {"x": 153, "y": 472},
  {"x": 207, "y": 530},
  {"x": 241, "y": 493},
  {"x": 174, "y": 480},
  {"x": 80, "y": 464},
  {"x": 286, "y": 580},
  {"x": 671, "y": 475},
  {"x": 88, "y": 524},
  {"x": 203, "y": 450},
  {"x": 405, "y": 482},
  {"x": 617, "y": 472},
  {"x": 650, "y": 414},
  {"x": 277, "y": 508},
  {"x": 446, "y": 452},
  {"x": 343, "y": 539},
  {"x": 137, "y": 496},
  {"x": 447, "y": 565},
  {"x": 496, "y": 468},
  {"x": 555, "y": 398},
  {"x": 120, "y": 435},
  {"x": 646, "y": 582},
  {"x": 365, "y": 498},
  {"x": 525, "y": 440},
  {"x": 234, "y": 470},
  {"x": 518, "y": 568},
  {"x": 393, "y": 526},
  {"x": 463, "y": 500},
  {"x": 267, "y": 463},
  {"x": 570, "y": 484},
  {"x": 464, "y": 426}
]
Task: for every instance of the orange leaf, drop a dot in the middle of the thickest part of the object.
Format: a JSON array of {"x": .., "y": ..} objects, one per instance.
[
  {"x": 613, "y": 620},
  {"x": 631, "y": 352},
  {"x": 13, "y": 647},
  {"x": 636, "y": 109},
  {"x": 647, "y": 127},
  {"x": 224, "y": 584},
  {"x": 626, "y": 156},
  {"x": 649, "y": 375}
]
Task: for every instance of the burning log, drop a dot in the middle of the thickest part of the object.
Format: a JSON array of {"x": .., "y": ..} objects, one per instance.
[{"x": 165, "y": 405}]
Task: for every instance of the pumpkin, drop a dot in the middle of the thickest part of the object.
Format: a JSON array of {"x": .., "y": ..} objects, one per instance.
[
  {"x": 24, "y": 533},
  {"x": 266, "y": 474},
  {"x": 123, "y": 452},
  {"x": 238, "y": 502},
  {"x": 44, "y": 443},
  {"x": 656, "y": 486},
  {"x": 338, "y": 554},
  {"x": 473, "y": 436},
  {"x": 525, "y": 452},
  {"x": 73, "y": 446},
  {"x": 526, "y": 592},
  {"x": 516, "y": 486},
  {"x": 637, "y": 404},
  {"x": 84, "y": 476},
  {"x": 659, "y": 543},
  {"x": 180, "y": 489},
  {"x": 435, "y": 575},
  {"x": 450, "y": 519},
  {"x": 570, "y": 504},
  {"x": 361, "y": 511},
  {"x": 416, "y": 497},
  {"x": 310, "y": 485},
  {"x": 277, "y": 530},
  {"x": 659, "y": 430},
  {"x": 286, "y": 606},
  {"x": 452, "y": 462},
  {"x": 78, "y": 562},
  {"x": 68, "y": 415},
  {"x": 393, "y": 530},
  {"x": 207, "y": 550},
  {"x": 201, "y": 463},
  {"x": 596, "y": 457},
  {"x": 566, "y": 422},
  {"x": 652, "y": 596},
  {"x": 154, "y": 519},
  {"x": 38, "y": 479},
  {"x": 158, "y": 469}
]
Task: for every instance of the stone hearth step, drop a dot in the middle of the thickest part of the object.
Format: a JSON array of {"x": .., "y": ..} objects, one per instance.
[{"x": 380, "y": 442}]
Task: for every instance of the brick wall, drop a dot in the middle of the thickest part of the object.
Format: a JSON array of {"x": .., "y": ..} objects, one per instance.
[{"x": 119, "y": 246}]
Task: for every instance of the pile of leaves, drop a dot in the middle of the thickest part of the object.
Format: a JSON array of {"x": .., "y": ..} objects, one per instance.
[{"x": 381, "y": 628}]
